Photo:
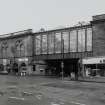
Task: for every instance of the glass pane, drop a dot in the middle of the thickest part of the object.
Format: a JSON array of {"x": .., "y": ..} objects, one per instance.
[
  {"x": 22, "y": 50},
  {"x": 89, "y": 39},
  {"x": 4, "y": 49},
  {"x": 17, "y": 48},
  {"x": 81, "y": 40},
  {"x": 65, "y": 36},
  {"x": 51, "y": 43},
  {"x": 38, "y": 44},
  {"x": 18, "y": 51},
  {"x": 73, "y": 41},
  {"x": 44, "y": 44},
  {"x": 4, "y": 55},
  {"x": 57, "y": 42}
]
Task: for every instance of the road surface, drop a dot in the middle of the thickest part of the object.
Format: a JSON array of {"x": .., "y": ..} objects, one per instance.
[{"x": 37, "y": 90}]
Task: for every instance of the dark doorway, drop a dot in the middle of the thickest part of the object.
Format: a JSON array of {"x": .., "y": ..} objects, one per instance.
[
  {"x": 15, "y": 67},
  {"x": 54, "y": 67}
]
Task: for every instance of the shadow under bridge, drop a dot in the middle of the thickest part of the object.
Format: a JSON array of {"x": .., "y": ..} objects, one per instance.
[{"x": 54, "y": 67}]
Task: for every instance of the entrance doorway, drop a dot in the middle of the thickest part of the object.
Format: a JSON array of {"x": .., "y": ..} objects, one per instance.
[
  {"x": 15, "y": 68},
  {"x": 54, "y": 67}
]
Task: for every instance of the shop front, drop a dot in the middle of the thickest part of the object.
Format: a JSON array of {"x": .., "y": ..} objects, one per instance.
[
  {"x": 15, "y": 66},
  {"x": 94, "y": 66}
]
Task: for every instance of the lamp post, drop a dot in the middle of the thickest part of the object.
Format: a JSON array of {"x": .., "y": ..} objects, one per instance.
[
  {"x": 62, "y": 62},
  {"x": 4, "y": 47}
]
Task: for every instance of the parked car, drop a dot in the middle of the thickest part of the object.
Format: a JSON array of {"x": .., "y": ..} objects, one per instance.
[
  {"x": 23, "y": 69},
  {"x": 95, "y": 72}
]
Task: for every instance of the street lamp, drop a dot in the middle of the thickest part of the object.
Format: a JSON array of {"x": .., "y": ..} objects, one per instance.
[
  {"x": 4, "y": 48},
  {"x": 62, "y": 63}
]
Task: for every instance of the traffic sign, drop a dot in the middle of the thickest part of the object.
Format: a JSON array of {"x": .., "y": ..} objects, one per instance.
[{"x": 62, "y": 65}]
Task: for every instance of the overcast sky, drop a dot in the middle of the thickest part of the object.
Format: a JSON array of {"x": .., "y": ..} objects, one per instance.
[{"x": 16, "y": 15}]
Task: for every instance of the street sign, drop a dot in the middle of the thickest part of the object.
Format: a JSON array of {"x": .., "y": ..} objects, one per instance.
[
  {"x": 4, "y": 61},
  {"x": 62, "y": 65}
]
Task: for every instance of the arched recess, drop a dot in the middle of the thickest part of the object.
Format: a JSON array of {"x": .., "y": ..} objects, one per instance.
[
  {"x": 19, "y": 48},
  {"x": 4, "y": 48}
]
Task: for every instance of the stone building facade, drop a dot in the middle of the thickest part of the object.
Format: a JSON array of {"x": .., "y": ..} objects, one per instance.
[
  {"x": 16, "y": 48},
  {"x": 51, "y": 52}
]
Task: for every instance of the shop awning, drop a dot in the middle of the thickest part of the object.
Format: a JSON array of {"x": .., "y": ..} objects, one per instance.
[{"x": 95, "y": 60}]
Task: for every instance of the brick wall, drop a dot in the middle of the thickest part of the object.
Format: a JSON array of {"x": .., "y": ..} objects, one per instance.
[
  {"x": 98, "y": 38},
  {"x": 27, "y": 41}
]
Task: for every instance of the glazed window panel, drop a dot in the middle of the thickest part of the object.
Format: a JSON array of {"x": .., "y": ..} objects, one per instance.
[
  {"x": 73, "y": 41},
  {"x": 65, "y": 36},
  {"x": 57, "y": 42},
  {"x": 38, "y": 44},
  {"x": 17, "y": 48},
  {"x": 44, "y": 44},
  {"x": 81, "y": 40},
  {"x": 51, "y": 43},
  {"x": 18, "y": 51},
  {"x": 4, "y": 49},
  {"x": 0, "y": 51},
  {"x": 22, "y": 50},
  {"x": 89, "y": 39},
  {"x": 3, "y": 53}
]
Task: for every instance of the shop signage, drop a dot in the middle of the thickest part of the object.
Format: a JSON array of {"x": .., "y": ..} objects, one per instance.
[
  {"x": 97, "y": 60},
  {"x": 102, "y": 61},
  {"x": 23, "y": 59},
  {"x": 4, "y": 61},
  {"x": 62, "y": 65}
]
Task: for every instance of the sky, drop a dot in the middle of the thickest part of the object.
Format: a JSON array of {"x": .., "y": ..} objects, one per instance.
[{"x": 17, "y": 15}]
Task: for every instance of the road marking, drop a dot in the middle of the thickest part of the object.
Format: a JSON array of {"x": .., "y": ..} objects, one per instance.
[
  {"x": 77, "y": 103},
  {"x": 52, "y": 103},
  {"x": 13, "y": 86},
  {"x": 46, "y": 83},
  {"x": 39, "y": 97},
  {"x": 31, "y": 86},
  {"x": 17, "y": 98},
  {"x": 1, "y": 93},
  {"x": 28, "y": 93},
  {"x": 61, "y": 103}
]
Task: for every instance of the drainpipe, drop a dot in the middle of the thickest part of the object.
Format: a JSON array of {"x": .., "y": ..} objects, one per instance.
[{"x": 62, "y": 63}]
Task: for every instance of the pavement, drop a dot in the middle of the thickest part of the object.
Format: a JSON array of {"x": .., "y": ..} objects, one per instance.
[{"x": 41, "y": 90}]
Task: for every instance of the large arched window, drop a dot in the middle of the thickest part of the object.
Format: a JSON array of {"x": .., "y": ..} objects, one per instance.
[
  {"x": 89, "y": 39},
  {"x": 22, "y": 49},
  {"x": 81, "y": 40},
  {"x": 38, "y": 44},
  {"x": 19, "y": 48},
  {"x": 65, "y": 37},
  {"x": 73, "y": 40},
  {"x": 51, "y": 43},
  {"x": 4, "y": 47},
  {"x": 44, "y": 44},
  {"x": 58, "y": 42}
]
